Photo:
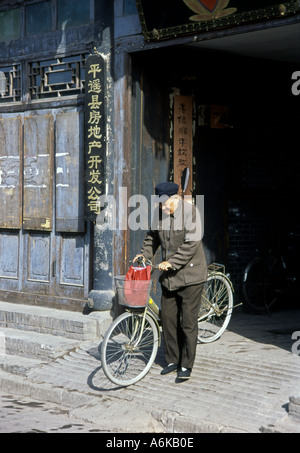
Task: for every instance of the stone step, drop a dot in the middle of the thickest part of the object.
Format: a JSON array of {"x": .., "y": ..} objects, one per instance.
[
  {"x": 44, "y": 320},
  {"x": 34, "y": 345},
  {"x": 19, "y": 365}
]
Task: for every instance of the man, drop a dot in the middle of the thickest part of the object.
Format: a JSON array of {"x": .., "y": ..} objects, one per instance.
[{"x": 179, "y": 234}]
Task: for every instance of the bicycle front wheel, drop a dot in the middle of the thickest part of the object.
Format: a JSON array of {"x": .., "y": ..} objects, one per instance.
[
  {"x": 129, "y": 348},
  {"x": 215, "y": 309}
]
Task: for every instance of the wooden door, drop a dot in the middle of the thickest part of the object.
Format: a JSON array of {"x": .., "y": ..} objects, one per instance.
[{"x": 44, "y": 241}]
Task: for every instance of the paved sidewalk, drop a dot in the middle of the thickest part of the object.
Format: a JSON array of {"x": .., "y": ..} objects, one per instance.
[{"x": 240, "y": 383}]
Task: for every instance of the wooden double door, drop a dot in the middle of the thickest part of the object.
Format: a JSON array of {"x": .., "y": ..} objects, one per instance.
[{"x": 44, "y": 240}]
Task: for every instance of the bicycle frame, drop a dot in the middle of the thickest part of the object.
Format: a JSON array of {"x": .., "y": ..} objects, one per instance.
[
  {"x": 213, "y": 270},
  {"x": 148, "y": 311}
]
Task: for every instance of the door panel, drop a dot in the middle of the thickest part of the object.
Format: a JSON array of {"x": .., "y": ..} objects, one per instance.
[
  {"x": 9, "y": 255},
  {"x": 38, "y": 259},
  {"x": 10, "y": 173},
  {"x": 72, "y": 261},
  {"x": 69, "y": 172},
  {"x": 38, "y": 172}
]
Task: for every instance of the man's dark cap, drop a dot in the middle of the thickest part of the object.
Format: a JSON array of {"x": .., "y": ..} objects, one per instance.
[{"x": 166, "y": 188}]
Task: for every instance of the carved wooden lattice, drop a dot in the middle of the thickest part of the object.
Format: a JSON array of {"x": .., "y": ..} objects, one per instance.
[
  {"x": 11, "y": 82},
  {"x": 57, "y": 77}
]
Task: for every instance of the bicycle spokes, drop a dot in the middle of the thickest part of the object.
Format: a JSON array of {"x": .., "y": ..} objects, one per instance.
[
  {"x": 129, "y": 348},
  {"x": 216, "y": 307}
]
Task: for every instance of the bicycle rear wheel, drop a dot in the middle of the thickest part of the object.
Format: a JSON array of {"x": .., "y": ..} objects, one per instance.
[
  {"x": 259, "y": 286},
  {"x": 129, "y": 348},
  {"x": 215, "y": 309}
]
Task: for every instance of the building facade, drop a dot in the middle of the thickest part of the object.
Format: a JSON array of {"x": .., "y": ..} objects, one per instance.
[
  {"x": 216, "y": 94},
  {"x": 234, "y": 68},
  {"x": 46, "y": 244}
]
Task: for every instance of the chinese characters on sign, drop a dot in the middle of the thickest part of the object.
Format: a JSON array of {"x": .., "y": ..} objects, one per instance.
[
  {"x": 183, "y": 141},
  {"x": 94, "y": 135}
]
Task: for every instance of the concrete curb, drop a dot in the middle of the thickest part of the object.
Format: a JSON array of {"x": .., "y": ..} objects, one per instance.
[
  {"x": 294, "y": 407},
  {"x": 173, "y": 422},
  {"x": 44, "y": 392}
]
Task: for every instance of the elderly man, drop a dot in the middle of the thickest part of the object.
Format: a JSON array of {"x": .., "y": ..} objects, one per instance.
[{"x": 179, "y": 234}]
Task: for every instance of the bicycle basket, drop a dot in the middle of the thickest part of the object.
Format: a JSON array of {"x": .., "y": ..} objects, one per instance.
[{"x": 133, "y": 293}]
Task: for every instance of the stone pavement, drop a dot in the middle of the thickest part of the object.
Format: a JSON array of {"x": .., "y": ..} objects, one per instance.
[
  {"x": 20, "y": 414},
  {"x": 245, "y": 382}
]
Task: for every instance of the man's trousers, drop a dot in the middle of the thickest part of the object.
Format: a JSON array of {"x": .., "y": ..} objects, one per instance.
[{"x": 179, "y": 314}]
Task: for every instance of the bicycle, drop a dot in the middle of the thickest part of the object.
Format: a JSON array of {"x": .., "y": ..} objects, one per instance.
[
  {"x": 131, "y": 342},
  {"x": 271, "y": 275}
]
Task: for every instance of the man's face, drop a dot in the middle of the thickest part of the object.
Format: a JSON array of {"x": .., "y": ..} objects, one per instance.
[{"x": 170, "y": 205}]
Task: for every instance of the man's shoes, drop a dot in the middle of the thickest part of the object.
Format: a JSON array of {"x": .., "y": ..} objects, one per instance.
[
  {"x": 184, "y": 374},
  {"x": 169, "y": 369}
]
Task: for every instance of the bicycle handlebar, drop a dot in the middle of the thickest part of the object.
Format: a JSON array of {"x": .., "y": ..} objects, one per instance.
[{"x": 141, "y": 260}]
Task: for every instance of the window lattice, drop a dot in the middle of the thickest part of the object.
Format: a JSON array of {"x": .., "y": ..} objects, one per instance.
[
  {"x": 12, "y": 90},
  {"x": 57, "y": 77}
]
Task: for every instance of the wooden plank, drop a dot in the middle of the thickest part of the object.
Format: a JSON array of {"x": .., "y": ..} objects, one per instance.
[
  {"x": 183, "y": 140},
  {"x": 10, "y": 173},
  {"x": 41, "y": 300},
  {"x": 70, "y": 172},
  {"x": 38, "y": 172}
]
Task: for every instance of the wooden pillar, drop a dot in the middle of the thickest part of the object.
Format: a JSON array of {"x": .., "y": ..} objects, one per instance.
[{"x": 122, "y": 146}]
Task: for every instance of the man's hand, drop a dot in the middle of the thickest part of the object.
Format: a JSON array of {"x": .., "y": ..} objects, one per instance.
[
  {"x": 139, "y": 258},
  {"x": 164, "y": 266}
]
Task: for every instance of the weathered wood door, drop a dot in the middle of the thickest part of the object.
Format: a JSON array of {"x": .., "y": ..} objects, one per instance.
[{"x": 44, "y": 241}]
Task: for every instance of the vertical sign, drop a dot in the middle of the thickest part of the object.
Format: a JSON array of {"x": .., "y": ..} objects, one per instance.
[
  {"x": 94, "y": 135},
  {"x": 183, "y": 142}
]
